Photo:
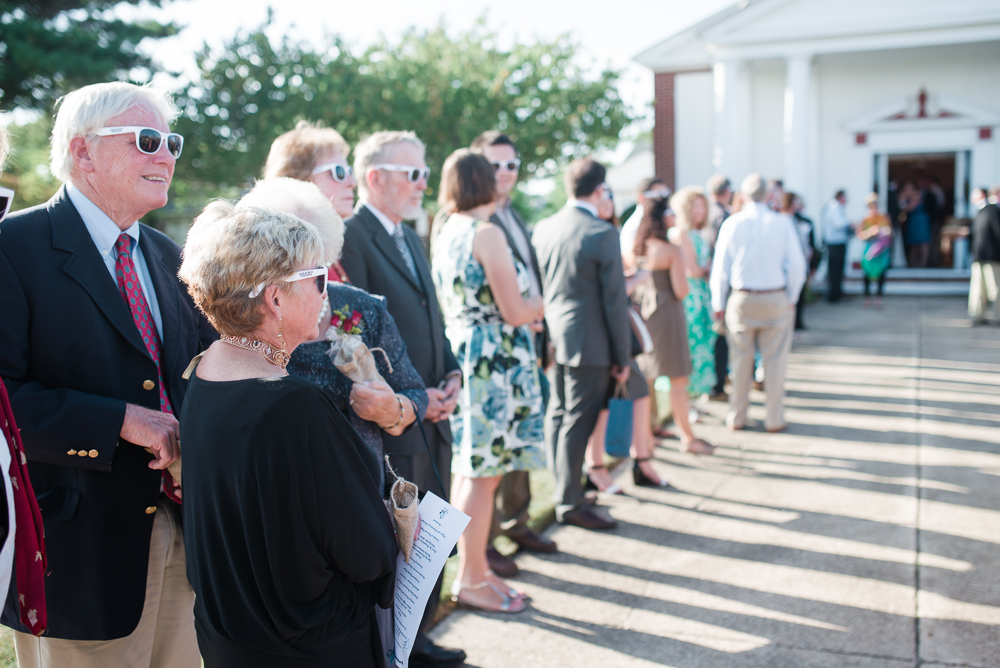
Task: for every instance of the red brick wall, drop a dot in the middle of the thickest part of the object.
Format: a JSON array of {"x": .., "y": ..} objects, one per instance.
[
  {"x": 664, "y": 144},
  {"x": 663, "y": 129}
]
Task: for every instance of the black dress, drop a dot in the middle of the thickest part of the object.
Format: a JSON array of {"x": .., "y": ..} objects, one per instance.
[{"x": 289, "y": 546}]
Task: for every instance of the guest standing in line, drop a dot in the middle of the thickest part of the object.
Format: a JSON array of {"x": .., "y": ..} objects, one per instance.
[
  {"x": 310, "y": 152},
  {"x": 691, "y": 213},
  {"x": 22, "y": 537},
  {"x": 586, "y": 312},
  {"x": 291, "y": 546},
  {"x": 491, "y": 320},
  {"x": 792, "y": 208},
  {"x": 876, "y": 231},
  {"x": 514, "y": 492},
  {"x": 648, "y": 189},
  {"x": 661, "y": 302},
  {"x": 720, "y": 194},
  {"x": 836, "y": 232},
  {"x": 916, "y": 221},
  {"x": 757, "y": 274},
  {"x": 374, "y": 408},
  {"x": 95, "y": 334},
  {"x": 383, "y": 256},
  {"x": 984, "y": 290}
]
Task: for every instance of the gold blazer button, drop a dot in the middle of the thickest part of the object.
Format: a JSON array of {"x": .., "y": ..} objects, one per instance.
[
  {"x": 82, "y": 453},
  {"x": 150, "y": 510},
  {"x": 148, "y": 384},
  {"x": 71, "y": 452},
  {"x": 92, "y": 453}
]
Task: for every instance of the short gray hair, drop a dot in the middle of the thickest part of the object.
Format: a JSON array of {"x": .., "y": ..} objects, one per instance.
[
  {"x": 376, "y": 149},
  {"x": 304, "y": 200},
  {"x": 230, "y": 250},
  {"x": 85, "y": 111},
  {"x": 753, "y": 187}
]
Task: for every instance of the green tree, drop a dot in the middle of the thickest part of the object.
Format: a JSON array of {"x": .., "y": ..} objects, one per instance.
[
  {"x": 446, "y": 89},
  {"x": 49, "y": 47}
]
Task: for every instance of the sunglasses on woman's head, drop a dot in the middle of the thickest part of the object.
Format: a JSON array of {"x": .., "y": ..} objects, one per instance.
[
  {"x": 148, "y": 140},
  {"x": 510, "y": 165},
  {"x": 6, "y": 197},
  {"x": 320, "y": 274},
  {"x": 414, "y": 174},
  {"x": 337, "y": 171}
]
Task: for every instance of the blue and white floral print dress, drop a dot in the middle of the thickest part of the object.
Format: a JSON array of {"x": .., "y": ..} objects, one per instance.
[{"x": 497, "y": 427}]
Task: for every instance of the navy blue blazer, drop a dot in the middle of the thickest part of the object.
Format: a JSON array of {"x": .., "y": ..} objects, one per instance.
[{"x": 72, "y": 358}]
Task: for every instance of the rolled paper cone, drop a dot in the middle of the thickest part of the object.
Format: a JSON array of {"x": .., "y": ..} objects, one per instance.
[
  {"x": 403, "y": 496},
  {"x": 175, "y": 471}
]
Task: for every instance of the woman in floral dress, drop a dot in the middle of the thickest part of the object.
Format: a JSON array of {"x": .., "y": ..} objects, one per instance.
[
  {"x": 691, "y": 211},
  {"x": 490, "y": 321}
]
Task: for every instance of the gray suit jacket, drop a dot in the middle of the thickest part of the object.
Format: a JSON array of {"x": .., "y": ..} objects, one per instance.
[
  {"x": 373, "y": 263},
  {"x": 584, "y": 285}
]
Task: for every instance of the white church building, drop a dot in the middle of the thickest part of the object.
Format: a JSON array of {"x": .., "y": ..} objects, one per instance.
[{"x": 833, "y": 94}]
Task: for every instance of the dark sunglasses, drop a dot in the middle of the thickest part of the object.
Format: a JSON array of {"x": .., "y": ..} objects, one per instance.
[
  {"x": 6, "y": 197},
  {"x": 148, "y": 140},
  {"x": 337, "y": 171},
  {"x": 510, "y": 165},
  {"x": 414, "y": 174}
]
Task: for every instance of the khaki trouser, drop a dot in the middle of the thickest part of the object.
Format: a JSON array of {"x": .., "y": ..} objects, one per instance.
[
  {"x": 758, "y": 321},
  {"x": 984, "y": 289},
  {"x": 165, "y": 635}
]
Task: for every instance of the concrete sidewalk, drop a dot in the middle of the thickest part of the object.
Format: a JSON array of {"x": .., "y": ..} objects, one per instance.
[{"x": 867, "y": 535}]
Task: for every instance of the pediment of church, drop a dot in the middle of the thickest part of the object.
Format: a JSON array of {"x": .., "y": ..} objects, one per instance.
[
  {"x": 778, "y": 28},
  {"x": 922, "y": 109}
]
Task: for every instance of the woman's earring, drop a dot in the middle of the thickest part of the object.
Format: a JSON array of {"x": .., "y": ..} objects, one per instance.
[{"x": 281, "y": 338}]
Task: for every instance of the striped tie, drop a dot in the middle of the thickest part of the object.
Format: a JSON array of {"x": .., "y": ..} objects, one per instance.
[{"x": 404, "y": 250}]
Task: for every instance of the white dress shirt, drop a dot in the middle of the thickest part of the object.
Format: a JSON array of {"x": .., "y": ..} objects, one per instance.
[
  {"x": 586, "y": 206},
  {"x": 836, "y": 224},
  {"x": 757, "y": 250},
  {"x": 105, "y": 234},
  {"x": 629, "y": 231},
  {"x": 7, "y": 552}
]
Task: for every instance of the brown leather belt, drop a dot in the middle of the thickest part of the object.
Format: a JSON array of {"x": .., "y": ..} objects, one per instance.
[{"x": 760, "y": 292}]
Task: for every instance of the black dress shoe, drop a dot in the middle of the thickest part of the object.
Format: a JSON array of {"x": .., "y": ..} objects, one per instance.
[
  {"x": 642, "y": 480},
  {"x": 532, "y": 542},
  {"x": 499, "y": 564},
  {"x": 435, "y": 656},
  {"x": 587, "y": 518}
]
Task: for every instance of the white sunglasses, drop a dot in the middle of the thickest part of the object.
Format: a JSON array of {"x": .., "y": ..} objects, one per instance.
[
  {"x": 148, "y": 140},
  {"x": 414, "y": 174},
  {"x": 338, "y": 171},
  {"x": 6, "y": 197},
  {"x": 320, "y": 274},
  {"x": 509, "y": 165}
]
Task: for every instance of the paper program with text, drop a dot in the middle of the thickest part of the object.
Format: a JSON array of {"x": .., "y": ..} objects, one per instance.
[{"x": 440, "y": 526}]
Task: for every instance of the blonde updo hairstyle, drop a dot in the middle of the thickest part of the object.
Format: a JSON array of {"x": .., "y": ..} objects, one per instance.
[
  {"x": 230, "y": 250},
  {"x": 682, "y": 201}
]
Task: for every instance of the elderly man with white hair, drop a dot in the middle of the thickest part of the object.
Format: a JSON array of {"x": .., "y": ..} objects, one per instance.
[
  {"x": 95, "y": 336},
  {"x": 757, "y": 274}
]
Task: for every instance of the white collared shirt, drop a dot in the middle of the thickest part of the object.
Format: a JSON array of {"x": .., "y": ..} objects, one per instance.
[
  {"x": 757, "y": 250},
  {"x": 630, "y": 229},
  {"x": 836, "y": 224},
  {"x": 389, "y": 226},
  {"x": 586, "y": 206},
  {"x": 105, "y": 235}
]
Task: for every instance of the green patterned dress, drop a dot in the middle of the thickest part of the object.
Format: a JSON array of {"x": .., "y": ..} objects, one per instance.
[
  {"x": 497, "y": 427},
  {"x": 698, "y": 309}
]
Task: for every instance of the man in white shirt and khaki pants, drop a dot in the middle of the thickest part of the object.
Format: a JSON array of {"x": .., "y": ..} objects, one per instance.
[{"x": 758, "y": 272}]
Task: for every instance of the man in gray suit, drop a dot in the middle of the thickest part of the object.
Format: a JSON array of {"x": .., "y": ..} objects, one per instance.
[
  {"x": 385, "y": 257},
  {"x": 585, "y": 310},
  {"x": 514, "y": 493}
]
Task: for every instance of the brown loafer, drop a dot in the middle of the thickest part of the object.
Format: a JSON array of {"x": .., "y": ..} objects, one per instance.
[
  {"x": 499, "y": 564},
  {"x": 587, "y": 518},
  {"x": 533, "y": 542}
]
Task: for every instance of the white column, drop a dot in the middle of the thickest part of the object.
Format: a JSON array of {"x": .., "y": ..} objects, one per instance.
[
  {"x": 797, "y": 123},
  {"x": 732, "y": 119}
]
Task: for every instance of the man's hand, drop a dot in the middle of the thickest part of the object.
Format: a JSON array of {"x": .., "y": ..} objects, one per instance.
[
  {"x": 538, "y": 326},
  {"x": 719, "y": 315},
  {"x": 375, "y": 401},
  {"x": 441, "y": 402},
  {"x": 156, "y": 431},
  {"x": 620, "y": 373}
]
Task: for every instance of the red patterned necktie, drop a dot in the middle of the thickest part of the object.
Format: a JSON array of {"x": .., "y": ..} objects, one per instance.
[{"x": 128, "y": 284}]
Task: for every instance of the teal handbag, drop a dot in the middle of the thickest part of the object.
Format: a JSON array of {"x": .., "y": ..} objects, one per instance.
[{"x": 618, "y": 437}]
